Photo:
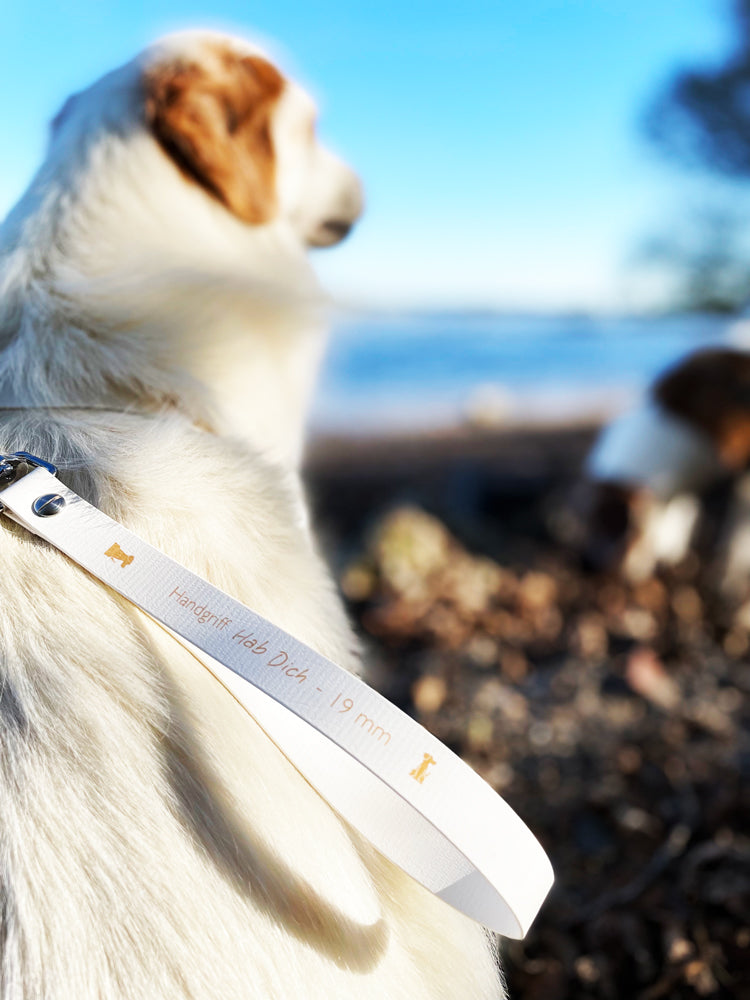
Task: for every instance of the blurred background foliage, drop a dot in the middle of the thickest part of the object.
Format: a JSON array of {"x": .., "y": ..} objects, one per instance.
[{"x": 699, "y": 120}]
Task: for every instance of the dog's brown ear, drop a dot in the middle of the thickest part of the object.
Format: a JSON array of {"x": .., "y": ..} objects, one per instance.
[{"x": 213, "y": 119}]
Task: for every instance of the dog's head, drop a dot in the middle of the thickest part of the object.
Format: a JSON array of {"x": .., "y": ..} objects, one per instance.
[
  {"x": 233, "y": 127},
  {"x": 159, "y": 255}
]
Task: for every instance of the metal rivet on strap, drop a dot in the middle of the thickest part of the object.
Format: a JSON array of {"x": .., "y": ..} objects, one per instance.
[
  {"x": 47, "y": 505},
  {"x": 7, "y": 472}
]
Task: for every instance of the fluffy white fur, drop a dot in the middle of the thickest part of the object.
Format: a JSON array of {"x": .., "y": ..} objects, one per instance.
[
  {"x": 663, "y": 530},
  {"x": 651, "y": 448},
  {"x": 668, "y": 462},
  {"x": 153, "y": 841}
]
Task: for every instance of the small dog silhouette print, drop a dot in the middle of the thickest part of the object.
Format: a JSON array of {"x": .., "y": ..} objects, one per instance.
[
  {"x": 420, "y": 773},
  {"x": 116, "y": 553}
]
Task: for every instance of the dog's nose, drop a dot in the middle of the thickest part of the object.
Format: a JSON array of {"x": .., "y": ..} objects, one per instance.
[
  {"x": 338, "y": 227},
  {"x": 330, "y": 231}
]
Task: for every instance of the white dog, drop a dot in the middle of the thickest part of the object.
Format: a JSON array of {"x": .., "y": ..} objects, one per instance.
[{"x": 159, "y": 327}]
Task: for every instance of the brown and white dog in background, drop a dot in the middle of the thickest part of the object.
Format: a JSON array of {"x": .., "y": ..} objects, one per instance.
[
  {"x": 650, "y": 468},
  {"x": 160, "y": 326}
]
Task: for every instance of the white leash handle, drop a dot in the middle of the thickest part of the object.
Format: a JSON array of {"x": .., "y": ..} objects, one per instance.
[{"x": 411, "y": 797}]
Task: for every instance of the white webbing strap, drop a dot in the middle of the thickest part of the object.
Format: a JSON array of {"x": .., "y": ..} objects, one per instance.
[{"x": 411, "y": 797}]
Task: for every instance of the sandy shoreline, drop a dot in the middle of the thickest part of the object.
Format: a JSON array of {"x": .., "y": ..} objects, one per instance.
[{"x": 495, "y": 443}]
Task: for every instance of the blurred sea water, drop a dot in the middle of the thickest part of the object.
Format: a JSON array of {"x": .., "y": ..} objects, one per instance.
[{"x": 396, "y": 373}]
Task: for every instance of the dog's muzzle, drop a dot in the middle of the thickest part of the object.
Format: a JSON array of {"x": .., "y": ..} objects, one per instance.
[{"x": 340, "y": 210}]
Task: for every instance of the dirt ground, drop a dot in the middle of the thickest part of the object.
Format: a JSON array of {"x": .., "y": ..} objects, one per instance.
[{"x": 614, "y": 719}]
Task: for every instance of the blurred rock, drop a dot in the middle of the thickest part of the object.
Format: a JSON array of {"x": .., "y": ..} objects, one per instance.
[
  {"x": 429, "y": 694},
  {"x": 489, "y": 406},
  {"x": 646, "y": 675},
  {"x": 687, "y": 604},
  {"x": 470, "y": 583},
  {"x": 513, "y": 665},
  {"x": 590, "y": 639},
  {"x": 408, "y": 548},
  {"x": 482, "y": 650},
  {"x": 536, "y": 591},
  {"x": 699, "y": 975},
  {"x": 358, "y": 582},
  {"x": 479, "y": 733}
]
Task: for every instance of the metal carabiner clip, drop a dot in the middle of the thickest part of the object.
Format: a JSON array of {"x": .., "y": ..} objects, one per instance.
[{"x": 10, "y": 464}]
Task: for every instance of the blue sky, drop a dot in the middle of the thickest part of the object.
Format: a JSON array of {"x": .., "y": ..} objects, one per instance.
[{"x": 497, "y": 139}]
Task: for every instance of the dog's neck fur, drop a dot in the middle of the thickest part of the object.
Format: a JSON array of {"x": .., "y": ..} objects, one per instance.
[{"x": 104, "y": 280}]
